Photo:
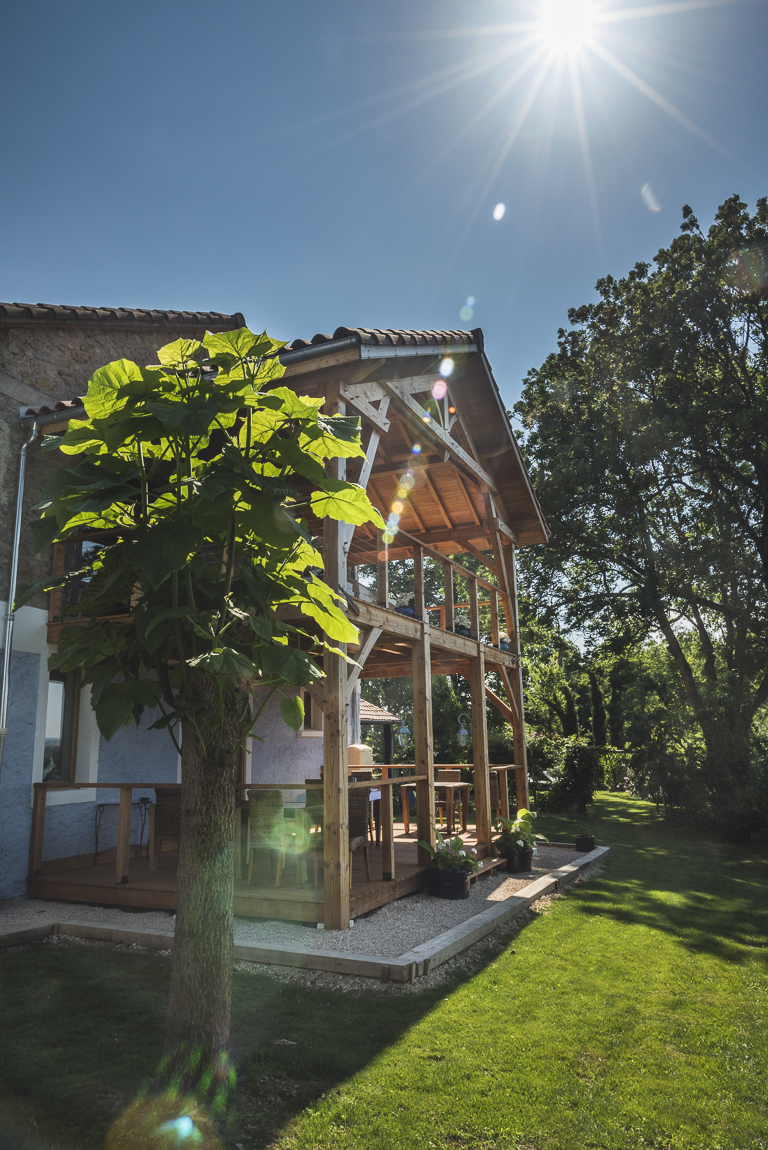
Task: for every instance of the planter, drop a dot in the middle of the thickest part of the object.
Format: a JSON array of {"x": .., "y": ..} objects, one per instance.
[
  {"x": 462, "y": 631},
  {"x": 503, "y": 646},
  {"x": 406, "y": 611},
  {"x": 585, "y": 843},
  {"x": 519, "y": 863},
  {"x": 448, "y": 883}
]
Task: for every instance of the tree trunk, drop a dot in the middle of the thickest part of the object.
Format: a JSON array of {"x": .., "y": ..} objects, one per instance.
[{"x": 197, "y": 1021}]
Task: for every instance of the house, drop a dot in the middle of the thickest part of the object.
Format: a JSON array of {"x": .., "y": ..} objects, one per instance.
[{"x": 443, "y": 467}]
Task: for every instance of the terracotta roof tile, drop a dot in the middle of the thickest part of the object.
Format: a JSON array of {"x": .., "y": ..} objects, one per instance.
[
  {"x": 60, "y": 315},
  {"x": 393, "y": 337},
  {"x": 370, "y": 713}
]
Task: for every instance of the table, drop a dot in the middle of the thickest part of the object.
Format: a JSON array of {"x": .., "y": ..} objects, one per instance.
[{"x": 450, "y": 793}]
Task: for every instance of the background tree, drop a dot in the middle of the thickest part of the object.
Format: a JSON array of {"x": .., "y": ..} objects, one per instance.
[
  {"x": 199, "y": 470},
  {"x": 647, "y": 433}
]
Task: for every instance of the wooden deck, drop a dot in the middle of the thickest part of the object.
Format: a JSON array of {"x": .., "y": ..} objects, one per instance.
[{"x": 78, "y": 880}]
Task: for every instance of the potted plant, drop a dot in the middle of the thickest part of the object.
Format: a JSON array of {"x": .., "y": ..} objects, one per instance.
[
  {"x": 517, "y": 840},
  {"x": 585, "y": 840},
  {"x": 404, "y": 605},
  {"x": 451, "y": 866},
  {"x": 504, "y": 641},
  {"x": 461, "y": 625}
]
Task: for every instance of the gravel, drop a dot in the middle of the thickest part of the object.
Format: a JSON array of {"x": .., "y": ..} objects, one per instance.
[{"x": 389, "y": 931}]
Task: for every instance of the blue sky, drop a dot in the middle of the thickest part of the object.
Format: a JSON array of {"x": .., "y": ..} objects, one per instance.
[{"x": 318, "y": 163}]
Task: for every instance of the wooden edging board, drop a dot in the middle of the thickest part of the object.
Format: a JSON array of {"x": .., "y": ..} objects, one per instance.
[{"x": 407, "y": 968}]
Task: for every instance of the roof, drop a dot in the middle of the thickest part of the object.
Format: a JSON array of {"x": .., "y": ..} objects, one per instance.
[
  {"x": 370, "y": 713},
  {"x": 124, "y": 318},
  {"x": 390, "y": 337}
]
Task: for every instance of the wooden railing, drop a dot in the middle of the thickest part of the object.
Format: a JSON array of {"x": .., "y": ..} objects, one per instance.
[{"x": 419, "y": 551}]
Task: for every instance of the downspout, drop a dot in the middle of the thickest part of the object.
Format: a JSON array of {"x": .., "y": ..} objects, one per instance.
[{"x": 10, "y": 613}]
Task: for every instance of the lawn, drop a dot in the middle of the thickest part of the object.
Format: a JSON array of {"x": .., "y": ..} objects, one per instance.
[{"x": 631, "y": 1014}]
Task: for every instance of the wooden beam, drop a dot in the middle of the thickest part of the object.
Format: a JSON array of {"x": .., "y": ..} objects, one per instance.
[
  {"x": 441, "y": 506},
  {"x": 123, "y": 835},
  {"x": 470, "y": 503},
  {"x": 418, "y": 580},
  {"x": 424, "y": 758},
  {"x": 38, "y": 830},
  {"x": 516, "y": 683},
  {"x": 480, "y": 749},
  {"x": 335, "y": 740},
  {"x": 500, "y": 705},
  {"x": 348, "y": 529},
  {"x": 474, "y": 610},
  {"x": 387, "y": 834},
  {"x": 365, "y": 409},
  {"x": 382, "y": 571},
  {"x": 478, "y": 554},
  {"x": 448, "y": 591},
  {"x": 353, "y": 673},
  {"x": 435, "y": 434}
]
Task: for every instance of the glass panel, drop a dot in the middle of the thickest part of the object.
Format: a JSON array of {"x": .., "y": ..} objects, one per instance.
[{"x": 54, "y": 731}]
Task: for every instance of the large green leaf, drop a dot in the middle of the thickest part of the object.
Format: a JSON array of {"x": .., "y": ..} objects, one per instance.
[
  {"x": 348, "y": 503},
  {"x": 110, "y": 386},
  {"x": 320, "y": 604},
  {"x": 164, "y": 549},
  {"x": 289, "y": 664},
  {"x": 292, "y": 711},
  {"x": 44, "y": 531},
  {"x": 116, "y": 703},
  {"x": 226, "y": 661},
  {"x": 179, "y": 353}
]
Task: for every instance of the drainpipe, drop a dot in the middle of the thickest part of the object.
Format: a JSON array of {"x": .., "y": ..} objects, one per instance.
[{"x": 11, "y": 614}]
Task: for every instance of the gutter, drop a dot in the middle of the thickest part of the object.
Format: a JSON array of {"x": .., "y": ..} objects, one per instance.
[
  {"x": 10, "y": 613},
  {"x": 40, "y": 421}
]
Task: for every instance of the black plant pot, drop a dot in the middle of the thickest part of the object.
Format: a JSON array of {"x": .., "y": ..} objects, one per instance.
[
  {"x": 448, "y": 883},
  {"x": 405, "y": 611},
  {"x": 585, "y": 843},
  {"x": 519, "y": 863},
  {"x": 462, "y": 631}
]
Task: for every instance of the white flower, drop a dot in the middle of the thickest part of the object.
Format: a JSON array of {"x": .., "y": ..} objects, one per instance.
[
  {"x": 474, "y": 852},
  {"x": 463, "y": 854}
]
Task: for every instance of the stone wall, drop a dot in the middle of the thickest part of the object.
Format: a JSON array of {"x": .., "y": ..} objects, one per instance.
[{"x": 42, "y": 364}]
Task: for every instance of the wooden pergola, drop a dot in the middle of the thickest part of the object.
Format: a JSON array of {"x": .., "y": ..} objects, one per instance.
[{"x": 446, "y": 431}]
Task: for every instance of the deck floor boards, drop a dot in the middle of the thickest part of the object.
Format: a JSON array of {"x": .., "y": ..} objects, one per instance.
[{"x": 292, "y": 900}]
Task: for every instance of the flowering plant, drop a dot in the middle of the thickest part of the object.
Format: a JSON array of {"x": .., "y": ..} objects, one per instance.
[
  {"x": 518, "y": 835},
  {"x": 451, "y": 854}
]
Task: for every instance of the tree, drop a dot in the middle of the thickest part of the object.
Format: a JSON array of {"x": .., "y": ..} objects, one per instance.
[
  {"x": 648, "y": 435},
  {"x": 195, "y": 472}
]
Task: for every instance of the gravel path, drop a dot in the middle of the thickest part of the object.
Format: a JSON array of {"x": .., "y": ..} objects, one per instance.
[{"x": 389, "y": 931}]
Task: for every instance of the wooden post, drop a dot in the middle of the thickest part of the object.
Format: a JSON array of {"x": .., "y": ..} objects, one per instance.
[
  {"x": 123, "y": 835},
  {"x": 38, "y": 829},
  {"x": 448, "y": 585},
  {"x": 382, "y": 571},
  {"x": 474, "y": 610},
  {"x": 516, "y": 682},
  {"x": 422, "y": 737},
  {"x": 494, "y": 618},
  {"x": 335, "y": 740},
  {"x": 480, "y": 748},
  {"x": 418, "y": 582},
  {"x": 387, "y": 834}
]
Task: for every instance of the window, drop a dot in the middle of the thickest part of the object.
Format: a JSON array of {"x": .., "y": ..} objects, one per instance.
[
  {"x": 313, "y": 715},
  {"x": 61, "y": 727}
]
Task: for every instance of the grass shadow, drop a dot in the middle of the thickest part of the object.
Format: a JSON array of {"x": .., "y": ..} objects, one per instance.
[{"x": 708, "y": 895}]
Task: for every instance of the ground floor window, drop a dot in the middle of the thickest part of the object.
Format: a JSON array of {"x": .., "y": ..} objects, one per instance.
[{"x": 61, "y": 727}]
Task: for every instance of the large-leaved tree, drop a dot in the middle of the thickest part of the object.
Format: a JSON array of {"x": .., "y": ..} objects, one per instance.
[
  {"x": 196, "y": 478},
  {"x": 647, "y": 432}
]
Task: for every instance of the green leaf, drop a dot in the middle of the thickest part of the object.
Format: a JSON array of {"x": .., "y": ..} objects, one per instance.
[
  {"x": 261, "y": 627},
  {"x": 289, "y": 664},
  {"x": 292, "y": 711},
  {"x": 239, "y": 343},
  {"x": 162, "y": 550},
  {"x": 44, "y": 531},
  {"x": 111, "y": 384},
  {"x": 188, "y": 418},
  {"x": 306, "y": 465},
  {"x": 178, "y": 353},
  {"x": 226, "y": 661},
  {"x": 120, "y": 703},
  {"x": 348, "y": 502}
]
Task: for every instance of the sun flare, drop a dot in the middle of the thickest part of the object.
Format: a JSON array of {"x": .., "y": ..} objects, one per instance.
[{"x": 566, "y": 26}]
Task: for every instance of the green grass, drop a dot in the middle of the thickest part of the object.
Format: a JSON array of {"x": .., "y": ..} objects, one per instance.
[{"x": 631, "y": 1014}]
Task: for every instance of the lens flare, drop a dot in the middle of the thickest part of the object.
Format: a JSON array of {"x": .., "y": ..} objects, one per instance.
[
  {"x": 416, "y": 449},
  {"x": 498, "y": 211},
  {"x": 471, "y": 301},
  {"x": 446, "y": 366},
  {"x": 466, "y": 314},
  {"x": 398, "y": 507},
  {"x": 407, "y": 482},
  {"x": 649, "y": 198},
  {"x": 439, "y": 388}
]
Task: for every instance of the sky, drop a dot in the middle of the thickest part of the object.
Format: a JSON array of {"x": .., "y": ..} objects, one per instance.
[{"x": 325, "y": 163}]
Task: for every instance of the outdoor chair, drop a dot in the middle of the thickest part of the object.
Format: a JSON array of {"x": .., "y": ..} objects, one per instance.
[
  {"x": 441, "y": 796},
  {"x": 267, "y": 831},
  {"x": 359, "y": 806},
  {"x": 363, "y": 776},
  {"x": 164, "y": 821}
]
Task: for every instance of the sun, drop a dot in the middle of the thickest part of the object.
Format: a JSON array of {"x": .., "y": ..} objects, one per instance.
[{"x": 566, "y": 26}]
